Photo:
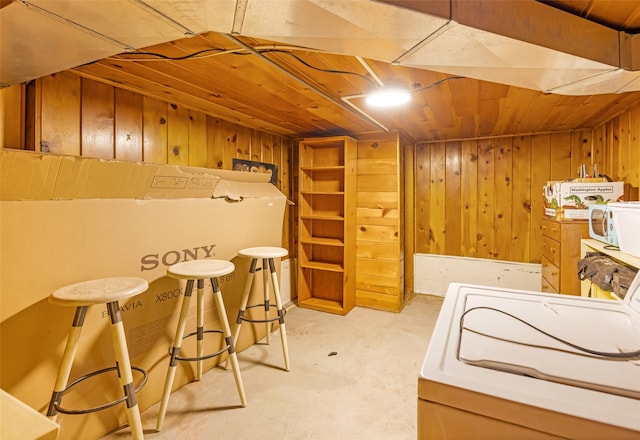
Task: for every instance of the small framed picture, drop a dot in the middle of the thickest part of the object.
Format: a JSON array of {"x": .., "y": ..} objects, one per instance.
[{"x": 252, "y": 166}]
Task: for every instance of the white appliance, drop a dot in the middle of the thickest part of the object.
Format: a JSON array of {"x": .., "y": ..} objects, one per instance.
[
  {"x": 601, "y": 225},
  {"x": 488, "y": 373}
]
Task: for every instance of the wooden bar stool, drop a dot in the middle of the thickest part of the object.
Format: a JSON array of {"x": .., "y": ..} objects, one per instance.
[
  {"x": 82, "y": 295},
  {"x": 267, "y": 254},
  {"x": 191, "y": 271}
]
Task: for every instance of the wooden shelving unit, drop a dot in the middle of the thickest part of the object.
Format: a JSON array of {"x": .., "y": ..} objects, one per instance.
[{"x": 326, "y": 222}]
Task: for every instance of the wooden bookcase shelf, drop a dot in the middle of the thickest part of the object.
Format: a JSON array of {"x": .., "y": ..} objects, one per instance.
[{"x": 326, "y": 223}]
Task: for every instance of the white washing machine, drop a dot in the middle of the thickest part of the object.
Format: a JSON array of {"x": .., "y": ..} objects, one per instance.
[{"x": 512, "y": 364}]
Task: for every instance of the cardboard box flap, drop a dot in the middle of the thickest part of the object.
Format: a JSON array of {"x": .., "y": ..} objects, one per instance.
[
  {"x": 35, "y": 176},
  {"x": 168, "y": 181},
  {"x": 27, "y": 176},
  {"x": 237, "y": 190}
]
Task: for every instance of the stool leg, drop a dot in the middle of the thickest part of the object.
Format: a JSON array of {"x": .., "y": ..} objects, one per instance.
[
  {"x": 224, "y": 322},
  {"x": 245, "y": 299},
  {"x": 283, "y": 330},
  {"x": 67, "y": 361},
  {"x": 125, "y": 375},
  {"x": 265, "y": 286},
  {"x": 200, "y": 328},
  {"x": 175, "y": 349}
]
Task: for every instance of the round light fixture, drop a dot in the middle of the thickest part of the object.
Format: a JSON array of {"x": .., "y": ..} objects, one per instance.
[{"x": 388, "y": 97}]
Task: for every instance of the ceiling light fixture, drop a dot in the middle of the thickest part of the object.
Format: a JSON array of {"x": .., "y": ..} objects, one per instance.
[{"x": 388, "y": 97}]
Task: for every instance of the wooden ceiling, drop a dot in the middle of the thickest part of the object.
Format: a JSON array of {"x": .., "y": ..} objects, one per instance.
[{"x": 300, "y": 92}]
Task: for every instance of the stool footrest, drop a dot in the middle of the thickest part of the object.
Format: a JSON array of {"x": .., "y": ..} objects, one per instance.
[
  {"x": 206, "y": 356},
  {"x": 279, "y": 318},
  {"x": 101, "y": 407}
]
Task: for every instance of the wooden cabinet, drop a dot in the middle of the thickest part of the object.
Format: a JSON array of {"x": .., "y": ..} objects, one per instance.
[
  {"x": 380, "y": 232},
  {"x": 560, "y": 255},
  {"x": 326, "y": 224}
]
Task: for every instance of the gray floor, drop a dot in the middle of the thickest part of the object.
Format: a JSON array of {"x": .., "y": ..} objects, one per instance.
[{"x": 352, "y": 377}]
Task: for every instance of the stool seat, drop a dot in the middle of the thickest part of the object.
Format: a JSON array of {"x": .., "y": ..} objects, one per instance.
[
  {"x": 264, "y": 252},
  {"x": 200, "y": 269},
  {"x": 98, "y": 291}
]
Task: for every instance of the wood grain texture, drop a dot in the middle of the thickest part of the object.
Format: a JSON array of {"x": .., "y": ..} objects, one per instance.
[
  {"x": 128, "y": 126},
  {"x": 154, "y": 131},
  {"x": 98, "y": 120},
  {"x": 60, "y": 98}
]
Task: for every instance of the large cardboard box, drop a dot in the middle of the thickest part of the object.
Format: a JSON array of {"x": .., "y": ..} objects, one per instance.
[
  {"x": 67, "y": 219},
  {"x": 571, "y": 200}
]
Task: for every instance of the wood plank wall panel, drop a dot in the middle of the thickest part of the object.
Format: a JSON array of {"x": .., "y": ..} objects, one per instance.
[
  {"x": 540, "y": 175},
  {"x": 178, "y": 135},
  {"x": 113, "y": 123},
  {"x": 128, "y": 126},
  {"x": 197, "y": 139},
  {"x": 407, "y": 189},
  {"x": 452, "y": 190},
  {"x": 504, "y": 195},
  {"x": 497, "y": 203},
  {"x": 519, "y": 247},
  {"x": 437, "y": 198},
  {"x": 59, "y": 97},
  {"x": 12, "y": 129},
  {"x": 98, "y": 120},
  {"x": 468, "y": 199},
  {"x": 154, "y": 131}
]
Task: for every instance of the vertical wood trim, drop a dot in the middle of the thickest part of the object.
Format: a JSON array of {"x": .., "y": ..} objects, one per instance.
[
  {"x": 408, "y": 151},
  {"x": 33, "y": 115}
]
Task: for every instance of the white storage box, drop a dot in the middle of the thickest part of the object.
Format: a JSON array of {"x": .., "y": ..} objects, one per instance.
[{"x": 626, "y": 220}]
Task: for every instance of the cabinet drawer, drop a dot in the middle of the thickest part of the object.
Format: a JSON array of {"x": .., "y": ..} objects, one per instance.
[
  {"x": 551, "y": 250},
  {"x": 550, "y": 274},
  {"x": 551, "y": 229}
]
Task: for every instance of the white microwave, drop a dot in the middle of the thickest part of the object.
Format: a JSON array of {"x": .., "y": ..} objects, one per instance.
[{"x": 601, "y": 226}]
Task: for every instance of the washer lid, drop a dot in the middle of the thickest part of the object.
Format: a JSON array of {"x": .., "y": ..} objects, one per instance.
[{"x": 582, "y": 345}]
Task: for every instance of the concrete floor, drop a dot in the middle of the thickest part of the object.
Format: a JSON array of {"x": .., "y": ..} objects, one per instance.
[{"x": 352, "y": 377}]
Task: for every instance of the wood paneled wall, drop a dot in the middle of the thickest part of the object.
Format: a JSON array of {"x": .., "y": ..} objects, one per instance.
[
  {"x": 475, "y": 197},
  {"x": 483, "y": 197},
  {"x": 82, "y": 117}
]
